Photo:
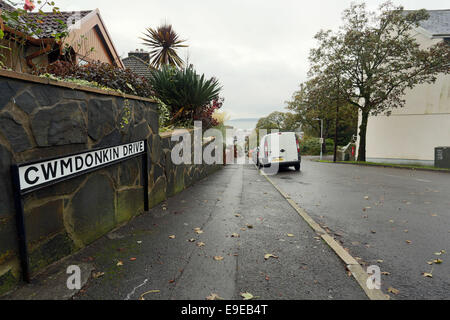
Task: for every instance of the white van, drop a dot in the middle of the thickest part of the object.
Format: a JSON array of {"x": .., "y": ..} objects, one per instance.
[{"x": 281, "y": 148}]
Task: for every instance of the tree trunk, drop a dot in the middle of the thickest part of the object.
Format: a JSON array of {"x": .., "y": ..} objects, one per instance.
[{"x": 363, "y": 137}]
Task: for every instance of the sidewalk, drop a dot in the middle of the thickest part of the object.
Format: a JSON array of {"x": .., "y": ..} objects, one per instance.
[{"x": 235, "y": 200}]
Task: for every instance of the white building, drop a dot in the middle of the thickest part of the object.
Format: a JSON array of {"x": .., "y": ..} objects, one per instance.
[{"x": 411, "y": 134}]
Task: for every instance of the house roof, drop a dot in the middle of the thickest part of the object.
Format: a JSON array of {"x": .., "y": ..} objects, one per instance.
[
  {"x": 5, "y": 6},
  {"x": 438, "y": 24},
  {"x": 50, "y": 23},
  {"x": 138, "y": 66}
]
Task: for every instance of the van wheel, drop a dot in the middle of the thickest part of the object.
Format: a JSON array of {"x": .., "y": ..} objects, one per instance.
[{"x": 297, "y": 167}]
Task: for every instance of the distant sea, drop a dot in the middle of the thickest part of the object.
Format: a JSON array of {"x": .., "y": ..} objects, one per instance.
[{"x": 244, "y": 124}]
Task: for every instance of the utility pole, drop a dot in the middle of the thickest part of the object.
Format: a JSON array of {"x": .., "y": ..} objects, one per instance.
[{"x": 337, "y": 123}]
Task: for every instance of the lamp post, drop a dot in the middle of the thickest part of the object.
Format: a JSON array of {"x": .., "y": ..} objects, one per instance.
[{"x": 321, "y": 137}]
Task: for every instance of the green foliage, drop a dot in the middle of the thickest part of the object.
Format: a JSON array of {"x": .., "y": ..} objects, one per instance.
[
  {"x": 317, "y": 99},
  {"x": 103, "y": 74},
  {"x": 20, "y": 19},
  {"x": 284, "y": 122},
  {"x": 164, "y": 42},
  {"x": 311, "y": 146},
  {"x": 375, "y": 58},
  {"x": 164, "y": 114},
  {"x": 184, "y": 92},
  {"x": 28, "y": 25}
]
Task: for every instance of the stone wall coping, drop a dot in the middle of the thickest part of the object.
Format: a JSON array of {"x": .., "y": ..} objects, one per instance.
[
  {"x": 69, "y": 85},
  {"x": 176, "y": 132}
]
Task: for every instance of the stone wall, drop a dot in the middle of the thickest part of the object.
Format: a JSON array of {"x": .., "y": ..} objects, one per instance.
[{"x": 41, "y": 118}]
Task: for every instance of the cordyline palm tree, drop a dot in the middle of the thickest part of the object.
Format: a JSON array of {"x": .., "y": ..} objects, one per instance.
[
  {"x": 184, "y": 91},
  {"x": 164, "y": 42}
]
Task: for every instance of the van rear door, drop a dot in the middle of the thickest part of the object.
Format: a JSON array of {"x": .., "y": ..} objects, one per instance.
[{"x": 288, "y": 147}]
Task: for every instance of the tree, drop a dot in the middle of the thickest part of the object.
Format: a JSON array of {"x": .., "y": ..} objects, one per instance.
[
  {"x": 376, "y": 59},
  {"x": 317, "y": 99},
  {"x": 284, "y": 122},
  {"x": 164, "y": 42},
  {"x": 183, "y": 91}
]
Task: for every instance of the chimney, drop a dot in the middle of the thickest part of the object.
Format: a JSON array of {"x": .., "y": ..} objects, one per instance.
[{"x": 141, "y": 54}]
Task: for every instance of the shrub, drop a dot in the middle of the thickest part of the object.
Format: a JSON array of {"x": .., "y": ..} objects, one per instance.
[
  {"x": 185, "y": 92},
  {"x": 206, "y": 114},
  {"x": 105, "y": 75},
  {"x": 311, "y": 146}
]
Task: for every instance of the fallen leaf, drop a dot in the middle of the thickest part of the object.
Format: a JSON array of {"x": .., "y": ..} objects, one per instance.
[
  {"x": 366, "y": 197},
  {"x": 213, "y": 297},
  {"x": 247, "y": 296},
  {"x": 408, "y": 241},
  {"x": 133, "y": 259},
  {"x": 243, "y": 229},
  {"x": 406, "y": 231},
  {"x": 380, "y": 261},
  {"x": 249, "y": 226},
  {"x": 218, "y": 258},
  {"x": 97, "y": 275},
  {"x": 201, "y": 244},
  {"x": 198, "y": 231},
  {"x": 372, "y": 231},
  {"x": 438, "y": 261},
  {"x": 171, "y": 281},
  {"x": 192, "y": 240},
  {"x": 139, "y": 242},
  {"x": 386, "y": 273},
  {"x": 235, "y": 235},
  {"x": 267, "y": 278},
  {"x": 269, "y": 255},
  {"x": 237, "y": 215},
  {"x": 430, "y": 263},
  {"x": 290, "y": 235},
  {"x": 120, "y": 263},
  {"x": 393, "y": 291},
  {"x": 172, "y": 237},
  {"x": 427, "y": 275}
]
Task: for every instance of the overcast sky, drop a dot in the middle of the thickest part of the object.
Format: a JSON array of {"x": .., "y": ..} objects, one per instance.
[{"x": 258, "y": 49}]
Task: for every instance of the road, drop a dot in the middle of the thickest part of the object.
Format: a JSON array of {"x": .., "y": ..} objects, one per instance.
[
  {"x": 394, "y": 218},
  {"x": 235, "y": 200}
]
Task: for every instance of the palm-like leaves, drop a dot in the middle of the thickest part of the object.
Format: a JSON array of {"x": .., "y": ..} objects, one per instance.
[
  {"x": 164, "y": 42},
  {"x": 184, "y": 90}
]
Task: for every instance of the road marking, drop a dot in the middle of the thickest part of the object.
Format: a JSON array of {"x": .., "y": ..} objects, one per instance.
[{"x": 352, "y": 265}]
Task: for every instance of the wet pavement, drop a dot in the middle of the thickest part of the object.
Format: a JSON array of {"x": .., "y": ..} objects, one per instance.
[
  {"x": 394, "y": 218},
  {"x": 213, "y": 239}
]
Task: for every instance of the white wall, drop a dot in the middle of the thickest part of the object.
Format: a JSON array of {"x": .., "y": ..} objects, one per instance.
[{"x": 411, "y": 133}]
